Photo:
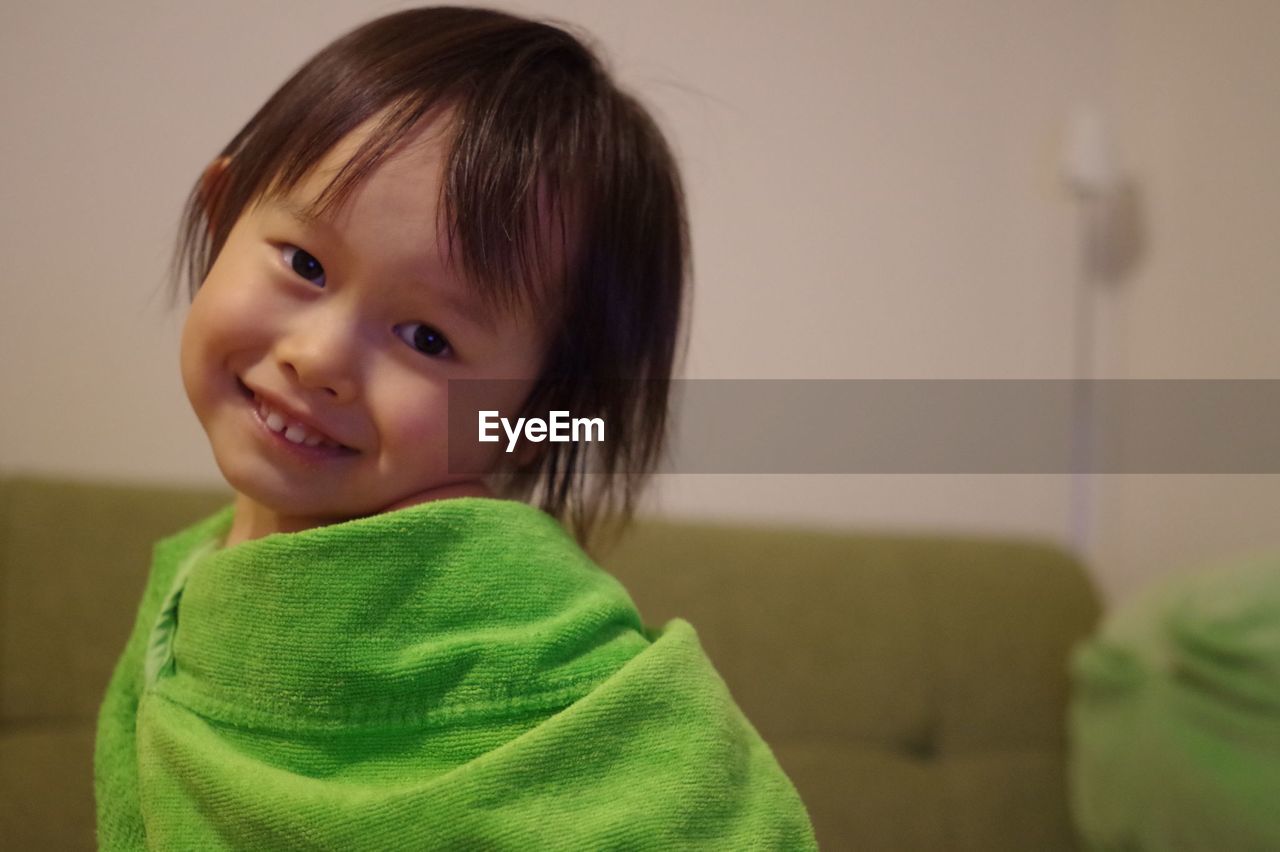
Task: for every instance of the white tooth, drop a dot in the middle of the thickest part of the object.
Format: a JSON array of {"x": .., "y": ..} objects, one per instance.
[
  {"x": 311, "y": 440},
  {"x": 274, "y": 421},
  {"x": 295, "y": 434}
]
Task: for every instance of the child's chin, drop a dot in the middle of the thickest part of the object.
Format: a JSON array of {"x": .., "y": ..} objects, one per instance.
[{"x": 286, "y": 501}]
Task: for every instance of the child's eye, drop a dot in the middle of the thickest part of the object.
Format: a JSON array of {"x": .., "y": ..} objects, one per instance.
[
  {"x": 304, "y": 264},
  {"x": 424, "y": 338}
]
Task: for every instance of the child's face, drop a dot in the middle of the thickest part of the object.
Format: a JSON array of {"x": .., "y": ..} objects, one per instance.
[{"x": 354, "y": 326}]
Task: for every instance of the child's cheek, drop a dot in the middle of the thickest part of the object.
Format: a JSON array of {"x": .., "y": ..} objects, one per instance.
[
  {"x": 247, "y": 312},
  {"x": 253, "y": 311},
  {"x": 409, "y": 407}
]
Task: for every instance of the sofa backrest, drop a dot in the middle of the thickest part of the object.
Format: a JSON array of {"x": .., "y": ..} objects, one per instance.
[
  {"x": 75, "y": 556},
  {"x": 914, "y": 687}
]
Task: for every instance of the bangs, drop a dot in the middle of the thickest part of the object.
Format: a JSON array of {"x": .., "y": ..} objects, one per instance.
[
  {"x": 508, "y": 233},
  {"x": 515, "y": 114}
]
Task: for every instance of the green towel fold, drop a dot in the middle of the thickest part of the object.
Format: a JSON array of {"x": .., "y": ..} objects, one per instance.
[
  {"x": 1175, "y": 717},
  {"x": 454, "y": 675}
]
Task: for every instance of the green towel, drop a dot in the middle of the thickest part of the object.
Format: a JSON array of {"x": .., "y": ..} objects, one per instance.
[
  {"x": 1175, "y": 717},
  {"x": 453, "y": 675}
]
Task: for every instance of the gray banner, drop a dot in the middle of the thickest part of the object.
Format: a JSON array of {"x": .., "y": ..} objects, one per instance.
[{"x": 946, "y": 425}]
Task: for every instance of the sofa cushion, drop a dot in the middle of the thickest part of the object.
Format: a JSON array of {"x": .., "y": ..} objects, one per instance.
[{"x": 46, "y": 786}]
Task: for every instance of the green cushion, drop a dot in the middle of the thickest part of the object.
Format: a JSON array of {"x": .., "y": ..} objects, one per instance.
[{"x": 1175, "y": 722}]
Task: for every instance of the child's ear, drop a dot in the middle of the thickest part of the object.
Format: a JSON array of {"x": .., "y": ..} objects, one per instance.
[{"x": 213, "y": 185}]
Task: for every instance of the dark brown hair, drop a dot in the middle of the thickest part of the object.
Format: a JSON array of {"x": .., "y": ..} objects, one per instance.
[{"x": 534, "y": 111}]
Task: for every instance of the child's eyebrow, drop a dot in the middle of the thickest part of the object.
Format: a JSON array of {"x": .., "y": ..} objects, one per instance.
[
  {"x": 464, "y": 305},
  {"x": 300, "y": 213}
]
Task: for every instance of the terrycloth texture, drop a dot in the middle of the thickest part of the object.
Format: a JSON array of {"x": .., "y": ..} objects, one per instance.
[
  {"x": 454, "y": 675},
  {"x": 1175, "y": 717}
]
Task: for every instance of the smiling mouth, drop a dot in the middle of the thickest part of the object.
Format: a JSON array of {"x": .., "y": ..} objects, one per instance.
[{"x": 294, "y": 433}]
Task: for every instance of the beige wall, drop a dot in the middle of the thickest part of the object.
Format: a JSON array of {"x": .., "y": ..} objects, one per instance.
[
  {"x": 1195, "y": 88},
  {"x": 874, "y": 194}
]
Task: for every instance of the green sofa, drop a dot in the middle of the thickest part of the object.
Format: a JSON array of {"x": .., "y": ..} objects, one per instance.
[{"x": 914, "y": 687}]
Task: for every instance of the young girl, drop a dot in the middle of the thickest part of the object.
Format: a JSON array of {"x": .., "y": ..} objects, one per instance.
[{"x": 379, "y": 644}]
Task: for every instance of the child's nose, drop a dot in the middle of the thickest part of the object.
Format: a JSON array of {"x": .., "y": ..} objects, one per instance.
[{"x": 319, "y": 353}]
